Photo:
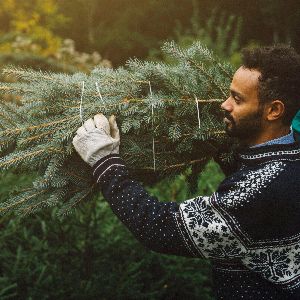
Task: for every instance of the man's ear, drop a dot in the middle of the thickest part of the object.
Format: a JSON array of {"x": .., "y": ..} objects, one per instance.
[{"x": 275, "y": 110}]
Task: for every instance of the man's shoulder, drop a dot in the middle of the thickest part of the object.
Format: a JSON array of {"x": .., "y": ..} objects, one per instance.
[
  {"x": 266, "y": 192},
  {"x": 258, "y": 171}
]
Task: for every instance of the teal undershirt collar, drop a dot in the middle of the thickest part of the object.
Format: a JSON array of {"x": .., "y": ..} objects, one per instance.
[{"x": 296, "y": 122}]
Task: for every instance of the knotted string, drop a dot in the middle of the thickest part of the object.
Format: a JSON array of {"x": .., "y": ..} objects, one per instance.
[
  {"x": 81, "y": 98},
  {"x": 98, "y": 90},
  {"x": 198, "y": 112},
  {"x": 153, "y": 142}
]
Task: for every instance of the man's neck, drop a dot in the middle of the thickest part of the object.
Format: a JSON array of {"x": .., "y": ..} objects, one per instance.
[{"x": 268, "y": 136}]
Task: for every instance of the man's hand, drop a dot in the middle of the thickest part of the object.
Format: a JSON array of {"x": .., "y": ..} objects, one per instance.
[{"x": 97, "y": 138}]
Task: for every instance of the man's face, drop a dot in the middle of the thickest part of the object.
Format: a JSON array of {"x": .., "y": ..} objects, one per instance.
[{"x": 243, "y": 115}]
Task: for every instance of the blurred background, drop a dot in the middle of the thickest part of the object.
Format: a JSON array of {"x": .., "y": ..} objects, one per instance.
[{"x": 89, "y": 254}]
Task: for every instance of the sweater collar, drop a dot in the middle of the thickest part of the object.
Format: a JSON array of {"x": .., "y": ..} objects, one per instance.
[{"x": 264, "y": 153}]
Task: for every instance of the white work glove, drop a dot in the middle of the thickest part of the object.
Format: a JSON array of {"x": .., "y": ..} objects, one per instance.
[{"x": 97, "y": 138}]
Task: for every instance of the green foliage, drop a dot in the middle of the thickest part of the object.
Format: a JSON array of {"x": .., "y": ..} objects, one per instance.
[
  {"x": 91, "y": 255},
  {"x": 39, "y": 133},
  {"x": 121, "y": 29},
  {"x": 220, "y": 33},
  {"x": 65, "y": 59},
  {"x": 179, "y": 189},
  {"x": 11, "y": 182},
  {"x": 35, "y": 19}
]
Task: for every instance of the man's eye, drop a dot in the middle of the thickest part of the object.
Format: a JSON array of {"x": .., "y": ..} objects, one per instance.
[{"x": 237, "y": 99}]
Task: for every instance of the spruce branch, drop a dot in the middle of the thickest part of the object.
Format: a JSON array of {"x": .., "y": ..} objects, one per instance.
[
  {"x": 37, "y": 134},
  {"x": 19, "y": 200}
]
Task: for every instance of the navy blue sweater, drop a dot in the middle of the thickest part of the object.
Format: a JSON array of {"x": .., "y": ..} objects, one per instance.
[{"x": 249, "y": 228}]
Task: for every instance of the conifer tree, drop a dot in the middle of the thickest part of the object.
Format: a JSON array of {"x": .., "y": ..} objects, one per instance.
[{"x": 169, "y": 117}]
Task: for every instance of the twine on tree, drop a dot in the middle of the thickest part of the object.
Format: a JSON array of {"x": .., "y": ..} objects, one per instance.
[
  {"x": 198, "y": 112},
  {"x": 98, "y": 90},
  {"x": 81, "y": 98},
  {"x": 153, "y": 142}
]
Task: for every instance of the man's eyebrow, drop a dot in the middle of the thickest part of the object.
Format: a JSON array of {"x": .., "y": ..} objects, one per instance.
[{"x": 235, "y": 93}]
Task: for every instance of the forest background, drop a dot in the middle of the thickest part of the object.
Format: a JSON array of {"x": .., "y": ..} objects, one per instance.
[{"x": 89, "y": 254}]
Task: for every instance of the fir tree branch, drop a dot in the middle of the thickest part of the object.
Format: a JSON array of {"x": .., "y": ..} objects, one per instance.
[
  {"x": 8, "y": 132},
  {"x": 176, "y": 166},
  {"x": 6, "y": 206},
  {"x": 143, "y": 101},
  {"x": 202, "y": 69},
  {"x": 21, "y": 156},
  {"x": 36, "y": 137},
  {"x": 40, "y": 130}
]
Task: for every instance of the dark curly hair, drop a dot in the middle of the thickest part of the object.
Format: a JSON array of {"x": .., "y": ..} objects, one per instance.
[{"x": 280, "y": 76}]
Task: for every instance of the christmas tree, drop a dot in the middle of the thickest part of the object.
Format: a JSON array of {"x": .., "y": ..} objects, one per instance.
[{"x": 169, "y": 116}]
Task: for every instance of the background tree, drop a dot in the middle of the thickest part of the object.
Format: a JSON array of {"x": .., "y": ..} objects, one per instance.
[
  {"x": 122, "y": 29},
  {"x": 33, "y": 18},
  {"x": 221, "y": 34},
  {"x": 91, "y": 255}
]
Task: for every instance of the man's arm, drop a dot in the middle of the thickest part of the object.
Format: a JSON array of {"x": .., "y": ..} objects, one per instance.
[
  {"x": 153, "y": 223},
  {"x": 193, "y": 228}
]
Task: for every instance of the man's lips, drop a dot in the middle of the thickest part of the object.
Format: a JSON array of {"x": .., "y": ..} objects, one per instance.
[{"x": 227, "y": 121}]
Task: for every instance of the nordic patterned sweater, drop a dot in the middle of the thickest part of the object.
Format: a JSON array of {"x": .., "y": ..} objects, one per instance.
[{"x": 249, "y": 228}]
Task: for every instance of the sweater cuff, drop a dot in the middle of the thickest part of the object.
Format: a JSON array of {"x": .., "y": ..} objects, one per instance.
[{"x": 105, "y": 164}]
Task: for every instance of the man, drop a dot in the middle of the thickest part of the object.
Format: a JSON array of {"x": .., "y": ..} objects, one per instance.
[{"x": 250, "y": 227}]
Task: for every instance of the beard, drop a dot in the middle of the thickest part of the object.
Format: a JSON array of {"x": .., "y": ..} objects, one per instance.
[{"x": 244, "y": 128}]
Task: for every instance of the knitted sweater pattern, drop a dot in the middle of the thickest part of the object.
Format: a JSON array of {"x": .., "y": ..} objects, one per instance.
[{"x": 249, "y": 228}]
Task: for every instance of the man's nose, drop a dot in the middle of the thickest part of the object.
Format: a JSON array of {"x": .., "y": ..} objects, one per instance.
[{"x": 226, "y": 105}]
